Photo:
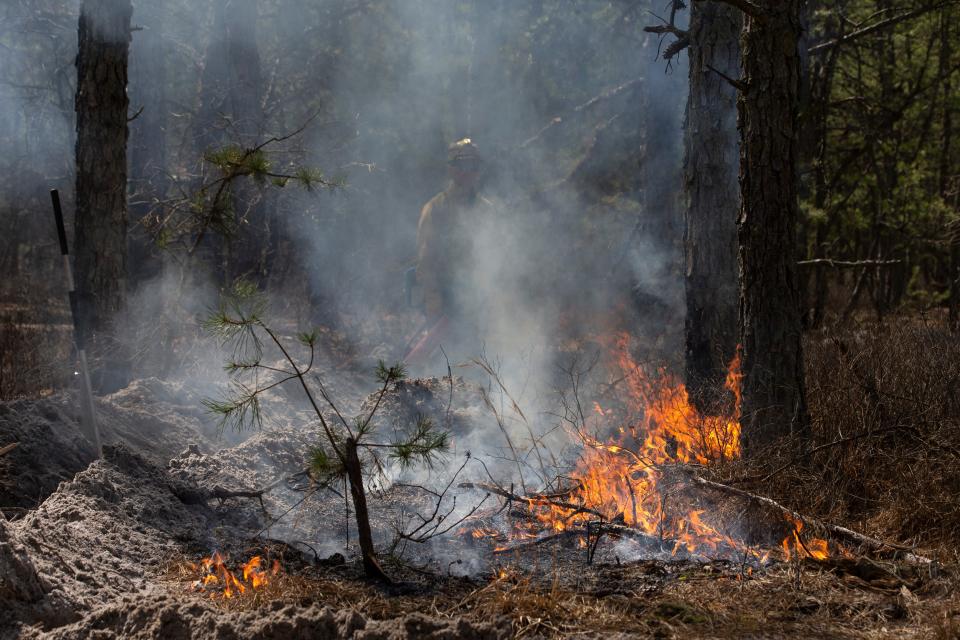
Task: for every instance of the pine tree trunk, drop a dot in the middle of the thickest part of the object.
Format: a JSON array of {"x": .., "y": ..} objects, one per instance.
[
  {"x": 710, "y": 235},
  {"x": 774, "y": 404},
  {"x": 101, "y": 186},
  {"x": 364, "y": 535}
]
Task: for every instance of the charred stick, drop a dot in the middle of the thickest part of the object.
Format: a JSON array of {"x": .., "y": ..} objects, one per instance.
[
  {"x": 595, "y": 530},
  {"x": 829, "y": 262},
  {"x": 628, "y": 532},
  {"x": 569, "y": 533},
  {"x": 223, "y": 494},
  {"x": 537, "y": 499}
]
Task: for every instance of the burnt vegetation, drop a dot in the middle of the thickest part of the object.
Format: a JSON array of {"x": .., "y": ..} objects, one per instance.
[{"x": 480, "y": 318}]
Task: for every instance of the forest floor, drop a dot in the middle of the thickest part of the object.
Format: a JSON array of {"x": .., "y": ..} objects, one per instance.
[{"x": 113, "y": 547}]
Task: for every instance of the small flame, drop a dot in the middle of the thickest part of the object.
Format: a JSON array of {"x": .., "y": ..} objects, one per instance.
[
  {"x": 796, "y": 547},
  {"x": 221, "y": 582}
]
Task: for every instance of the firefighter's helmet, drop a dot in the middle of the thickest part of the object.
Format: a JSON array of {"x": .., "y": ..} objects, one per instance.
[{"x": 463, "y": 152}]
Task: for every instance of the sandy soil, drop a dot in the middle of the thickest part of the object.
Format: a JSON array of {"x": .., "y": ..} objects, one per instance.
[{"x": 97, "y": 548}]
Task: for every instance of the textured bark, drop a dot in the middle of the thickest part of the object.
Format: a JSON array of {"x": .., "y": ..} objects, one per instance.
[
  {"x": 774, "y": 404},
  {"x": 710, "y": 235},
  {"x": 101, "y": 157},
  {"x": 364, "y": 535}
]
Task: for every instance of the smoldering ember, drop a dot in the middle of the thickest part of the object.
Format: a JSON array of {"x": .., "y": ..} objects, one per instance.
[{"x": 479, "y": 319}]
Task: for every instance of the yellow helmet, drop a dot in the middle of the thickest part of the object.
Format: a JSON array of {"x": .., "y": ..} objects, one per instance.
[{"x": 463, "y": 150}]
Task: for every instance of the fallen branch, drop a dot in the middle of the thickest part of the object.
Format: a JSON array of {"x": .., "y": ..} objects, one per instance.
[
  {"x": 846, "y": 263},
  {"x": 569, "y": 533},
  {"x": 599, "y": 528},
  {"x": 595, "y": 530},
  {"x": 835, "y": 530}
]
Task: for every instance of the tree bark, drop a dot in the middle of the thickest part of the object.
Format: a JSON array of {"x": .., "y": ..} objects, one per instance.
[
  {"x": 101, "y": 181},
  {"x": 364, "y": 535},
  {"x": 774, "y": 403},
  {"x": 710, "y": 235}
]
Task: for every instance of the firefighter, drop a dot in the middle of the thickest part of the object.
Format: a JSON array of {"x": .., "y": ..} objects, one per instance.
[{"x": 444, "y": 252}]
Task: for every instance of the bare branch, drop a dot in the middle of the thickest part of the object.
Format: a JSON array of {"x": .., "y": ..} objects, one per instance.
[{"x": 877, "y": 26}]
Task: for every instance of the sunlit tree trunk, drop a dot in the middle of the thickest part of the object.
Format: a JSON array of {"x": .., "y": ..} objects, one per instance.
[
  {"x": 101, "y": 180},
  {"x": 774, "y": 403},
  {"x": 710, "y": 235}
]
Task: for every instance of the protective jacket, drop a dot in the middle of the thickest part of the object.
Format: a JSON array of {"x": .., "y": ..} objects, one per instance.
[{"x": 445, "y": 248}]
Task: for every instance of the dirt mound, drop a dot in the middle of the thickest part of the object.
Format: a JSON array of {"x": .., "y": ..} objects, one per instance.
[
  {"x": 89, "y": 560},
  {"x": 51, "y": 450},
  {"x": 156, "y": 418},
  {"x": 171, "y": 619},
  {"x": 102, "y": 535}
]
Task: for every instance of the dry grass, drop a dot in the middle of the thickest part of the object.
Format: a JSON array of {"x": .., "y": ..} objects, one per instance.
[
  {"x": 885, "y": 408},
  {"x": 647, "y": 599},
  {"x": 34, "y": 353}
]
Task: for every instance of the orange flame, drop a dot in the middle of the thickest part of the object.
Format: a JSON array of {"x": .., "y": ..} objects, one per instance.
[
  {"x": 221, "y": 582},
  {"x": 796, "y": 547},
  {"x": 620, "y": 477}
]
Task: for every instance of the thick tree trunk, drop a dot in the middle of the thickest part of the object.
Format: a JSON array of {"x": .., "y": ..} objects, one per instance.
[
  {"x": 774, "y": 404},
  {"x": 101, "y": 187},
  {"x": 710, "y": 235},
  {"x": 364, "y": 535}
]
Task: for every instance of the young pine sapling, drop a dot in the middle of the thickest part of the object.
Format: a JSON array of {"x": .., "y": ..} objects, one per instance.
[{"x": 348, "y": 446}]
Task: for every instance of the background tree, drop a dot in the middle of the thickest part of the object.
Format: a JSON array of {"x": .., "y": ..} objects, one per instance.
[
  {"x": 231, "y": 112},
  {"x": 101, "y": 180},
  {"x": 713, "y": 197}
]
